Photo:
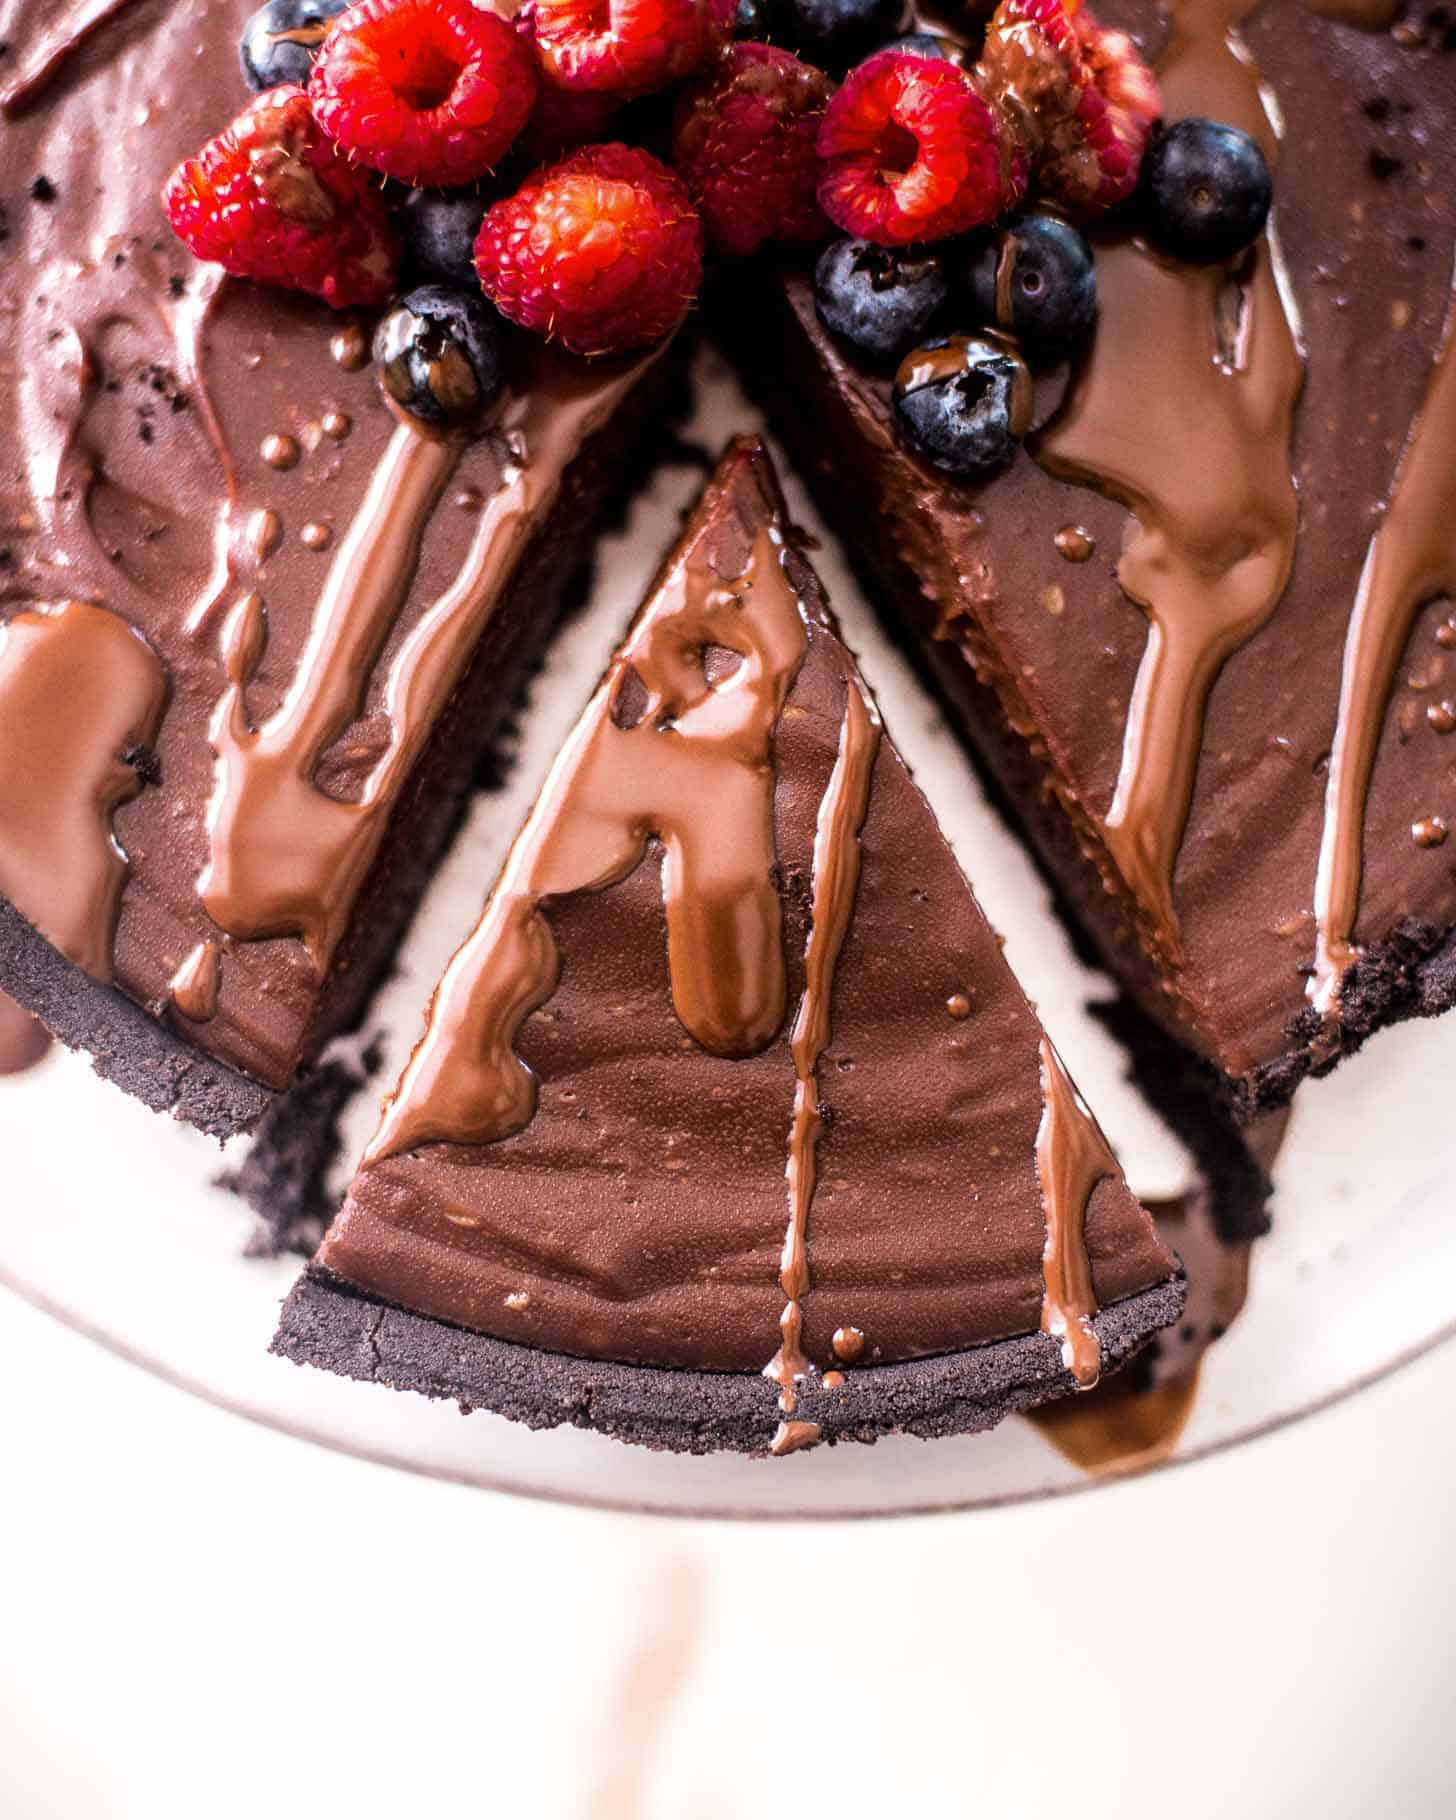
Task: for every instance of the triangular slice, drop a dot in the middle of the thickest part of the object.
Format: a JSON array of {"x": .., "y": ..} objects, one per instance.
[{"x": 730, "y": 1127}]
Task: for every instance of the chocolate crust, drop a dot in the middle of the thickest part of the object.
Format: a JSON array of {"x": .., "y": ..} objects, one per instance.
[
  {"x": 327, "y": 1323},
  {"x": 127, "y": 1046}
]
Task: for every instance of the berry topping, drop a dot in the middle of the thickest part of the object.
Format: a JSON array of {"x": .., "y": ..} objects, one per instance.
[
  {"x": 439, "y": 229},
  {"x": 565, "y": 118},
  {"x": 628, "y": 47},
  {"x": 429, "y": 91},
  {"x": 924, "y": 44},
  {"x": 913, "y": 150},
  {"x": 602, "y": 252},
  {"x": 440, "y": 356},
  {"x": 271, "y": 198},
  {"x": 880, "y": 300},
  {"x": 1034, "y": 278},
  {"x": 282, "y": 39},
  {"x": 1206, "y": 191},
  {"x": 1083, "y": 96},
  {"x": 963, "y": 404},
  {"x": 837, "y": 33},
  {"x": 743, "y": 142}
]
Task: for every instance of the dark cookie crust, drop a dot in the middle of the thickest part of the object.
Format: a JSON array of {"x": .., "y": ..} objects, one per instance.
[
  {"x": 126, "y": 1045},
  {"x": 327, "y": 1323}
]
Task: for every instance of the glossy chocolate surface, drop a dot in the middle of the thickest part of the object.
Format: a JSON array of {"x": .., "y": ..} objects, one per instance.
[{"x": 1365, "y": 221}]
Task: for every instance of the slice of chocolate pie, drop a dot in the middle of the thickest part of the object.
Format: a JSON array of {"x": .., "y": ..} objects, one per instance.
[
  {"x": 1200, "y": 628},
  {"x": 256, "y": 628},
  {"x": 730, "y": 1127}
]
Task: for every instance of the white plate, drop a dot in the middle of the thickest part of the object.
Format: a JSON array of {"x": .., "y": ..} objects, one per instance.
[{"x": 110, "y": 1217}]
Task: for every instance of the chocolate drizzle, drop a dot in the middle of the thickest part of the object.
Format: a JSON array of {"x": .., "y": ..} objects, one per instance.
[
  {"x": 1072, "y": 1157},
  {"x": 836, "y": 880},
  {"x": 661, "y": 752},
  {"x": 196, "y": 983},
  {"x": 55, "y": 49},
  {"x": 1186, "y": 417},
  {"x": 78, "y": 687},
  {"x": 1411, "y": 561},
  {"x": 285, "y": 857}
]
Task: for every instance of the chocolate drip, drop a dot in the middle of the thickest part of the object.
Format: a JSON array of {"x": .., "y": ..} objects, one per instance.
[
  {"x": 285, "y": 858},
  {"x": 1072, "y": 1157},
  {"x": 836, "y": 881},
  {"x": 1411, "y": 561},
  {"x": 660, "y": 752},
  {"x": 55, "y": 49},
  {"x": 24, "y": 1040},
  {"x": 78, "y": 688},
  {"x": 1189, "y": 425},
  {"x": 196, "y": 983}
]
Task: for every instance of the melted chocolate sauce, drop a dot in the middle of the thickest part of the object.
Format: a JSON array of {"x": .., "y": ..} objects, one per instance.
[
  {"x": 78, "y": 688},
  {"x": 1411, "y": 562},
  {"x": 24, "y": 1040},
  {"x": 1212, "y": 534},
  {"x": 1072, "y": 1157},
  {"x": 660, "y": 753}
]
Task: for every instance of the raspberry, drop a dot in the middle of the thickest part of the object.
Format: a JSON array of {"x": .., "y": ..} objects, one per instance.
[
  {"x": 1084, "y": 94},
  {"x": 564, "y": 119},
  {"x": 271, "y": 198},
  {"x": 913, "y": 150},
  {"x": 744, "y": 142},
  {"x": 429, "y": 91},
  {"x": 602, "y": 252},
  {"x": 628, "y": 46}
]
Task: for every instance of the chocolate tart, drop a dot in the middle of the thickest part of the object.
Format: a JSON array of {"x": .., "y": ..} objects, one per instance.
[
  {"x": 730, "y": 1126},
  {"x": 1201, "y": 632},
  {"x": 256, "y": 631}
]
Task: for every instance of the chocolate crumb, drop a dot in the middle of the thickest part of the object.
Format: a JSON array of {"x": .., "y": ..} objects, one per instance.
[
  {"x": 176, "y": 284},
  {"x": 1384, "y": 165},
  {"x": 42, "y": 190}
]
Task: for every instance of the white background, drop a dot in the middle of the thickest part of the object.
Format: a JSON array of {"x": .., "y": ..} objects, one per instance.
[{"x": 199, "y": 1617}]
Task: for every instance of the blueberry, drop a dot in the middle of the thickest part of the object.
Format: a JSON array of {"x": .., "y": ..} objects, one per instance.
[
  {"x": 440, "y": 228},
  {"x": 833, "y": 34},
  {"x": 880, "y": 300},
  {"x": 1205, "y": 191},
  {"x": 755, "y": 19},
  {"x": 441, "y": 355},
  {"x": 924, "y": 44},
  {"x": 963, "y": 403},
  {"x": 1034, "y": 278},
  {"x": 281, "y": 40}
]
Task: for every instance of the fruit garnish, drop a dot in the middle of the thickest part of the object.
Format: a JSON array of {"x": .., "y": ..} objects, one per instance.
[
  {"x": 628, "y": 47},
  {"x": 428, "y": 91},
  {"x": 913, "y": 150},
  {"x": 439, "y": 228},
  {"x": 440, "y": 356},
  {"x": 836, "y": 34},
  {"x": 1034, "y": 278},
  {"x": 878, "y": 299},
  {"x": 271, "y": 198},
  {"x": 963, "y": 403},
  {"x": 1081, "y": 96},
  {"x": 743, "y": 142},
  {"x": 601, "y": 252},
  {"x": 281, "y": 40},
  {"x": 1206, "y": 191}
]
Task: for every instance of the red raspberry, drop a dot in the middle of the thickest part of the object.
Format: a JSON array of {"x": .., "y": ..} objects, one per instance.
[
  {"x": 1086, "y": 98},
  {"x": 429, "y": 91},
  {"x": 628, "y": 46},
  {"x": 602, "y": 252},
  {"x": 271, "y": 198},
  {"x": 564, "y": 119},
  {"x": 744, "y": 141},
  {"x": 913, "y": 150}
]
